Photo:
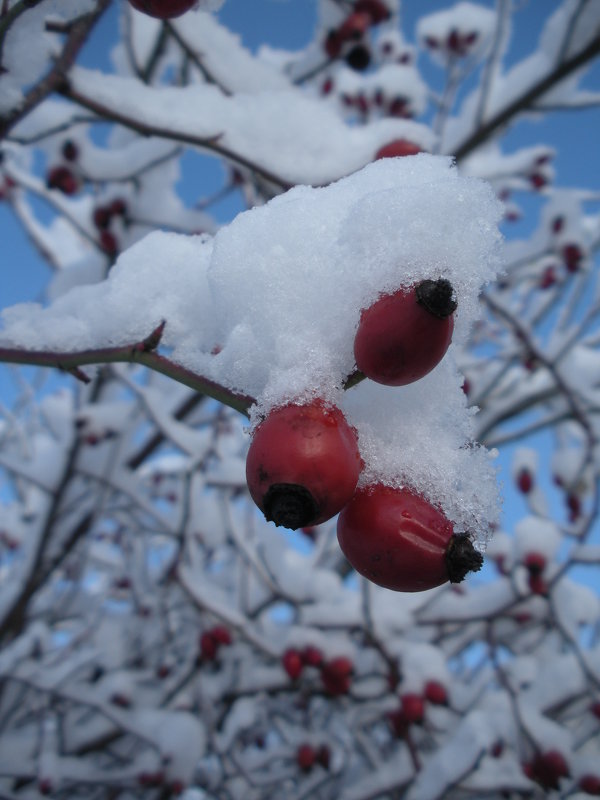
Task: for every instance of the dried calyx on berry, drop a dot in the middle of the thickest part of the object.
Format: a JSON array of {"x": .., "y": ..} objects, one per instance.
[
  {"x": 437, "y": 297},
  {"x": 303, "y": 464}
]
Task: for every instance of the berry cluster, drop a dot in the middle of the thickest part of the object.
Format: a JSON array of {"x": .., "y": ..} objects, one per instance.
[
  {"x": 336, "y": 673},
  {"x": 304, "y": 463},
  {"x": 348, "y": 40},
  {"x": 163, "y": 9}
]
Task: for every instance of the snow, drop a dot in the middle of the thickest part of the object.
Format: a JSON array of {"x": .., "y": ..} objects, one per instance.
[
  {"x": 285, "y": 132},
  {"x": 283, "y": 306}
]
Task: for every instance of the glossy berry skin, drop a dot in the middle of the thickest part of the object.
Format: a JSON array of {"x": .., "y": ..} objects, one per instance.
[
  {"x": 399, "y": 147},
  {"x": 399, "y": 338},
  {"x": 398, "y": 540},
  {"x": 163, "y": 9},
  {"x": 303, "y": 464}
]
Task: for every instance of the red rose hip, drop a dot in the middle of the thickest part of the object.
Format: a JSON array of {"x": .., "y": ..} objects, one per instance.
[
  {"x": 303, "y": 464},
  {"x": 399, "y": 147},
  {"x": 163, "y": 9},
  {"x": 398, "y": 540},
  {"x": 403, "y": 336}
]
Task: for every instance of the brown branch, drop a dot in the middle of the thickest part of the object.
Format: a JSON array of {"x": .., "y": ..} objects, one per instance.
[
  {"x": 145, "y": 129},
  {"x": 142, "y": 352},
  {"x": 527, "y": 99},
  {"x": 57, "y": 75}
]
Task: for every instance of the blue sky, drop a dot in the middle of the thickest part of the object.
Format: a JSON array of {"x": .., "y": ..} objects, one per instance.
[{"x": 289, "y": 24}]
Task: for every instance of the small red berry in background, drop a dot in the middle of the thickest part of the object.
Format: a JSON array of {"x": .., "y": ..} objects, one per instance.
[
  {"x": 572, "y": 256},
  {"x": 109, "y": 244},
  {"x": 538, "y": 180},
  {"x": 548, "y": 278},
  {"x": 399, "y": 147},
  {"x": 303, "y": 464},
  {"x": 101, "y": 217},
  {"x": 435, "y": 693},
  {"x": 354, "y": 26},
  {"x": 557, "y": 224},
  {"x": 221, "y": 634},
  {"x": 292, "y": 663},
  {"x": 535, "y": 562},
  {"x": 312, "y": 656},
  {"x": 413, "y": 708},
  {"x": 574, "y": 506},
  {"x": 163, "y": 9},
  {"x": 525, "y": 480},
  {"x": 377, "y": 10},
  {"x": 337, "y": 675},
  {"x": 208, "y": 646},
  {"x": 398, "y": 540},
  {"x": 403, "y": 336},
  {"x": 306, "y": 757},
  {"x": 590, "y": 784},
  {"x": 547, "y": 769},
  {"x": 63, "y": 179}
]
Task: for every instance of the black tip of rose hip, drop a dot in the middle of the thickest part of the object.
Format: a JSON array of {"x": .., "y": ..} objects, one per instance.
[
  {"x": 462, "y": 558},
  {"x": 436, "y": 297},
  {"x": 289, "y": 505},
  {"x": 358, "y": 58}
]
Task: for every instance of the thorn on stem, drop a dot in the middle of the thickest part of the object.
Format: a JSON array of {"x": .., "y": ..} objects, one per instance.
[
  {"x": 78, "y": 373},
  {"x": 152, "y": 341}
]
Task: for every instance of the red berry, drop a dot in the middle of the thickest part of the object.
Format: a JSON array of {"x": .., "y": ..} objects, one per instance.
[
  {"x": 162, "y": 671},
  {"x": 208, "y": 646},
  {"x": 404, "y": 335},
  {"x": 574, "y": 506},
  {"x": 221, "y": 634},
  {"x": 45, "y": 786},
  {"x": 292, "y": 663},
  {"x": 376, "y": 9},
  {"x": 305, "y": 757},
  {"x": 525, "y": 480},
  {"x": 400, "y": 541},
  {"x": 436, "y": 693},
  {"x": 312, "y": 656},
  {"x": 535, "y": 563},
  {"x": 548, "y": 278},
  {"x": 354, "y": 27},
  {"x": 62, "y": 178},
  {"x": 118, "y": 207},
  {"x": 102, "y": 217},
  {"x": 538, "y": 585},
  {"x": 109, "y": 244},
  {"x": 303, "y": 464},
  {"x": 537, "y": 180},
  {"x": 557, "y": 224},
  {"x": 163, "y": 9},
  {"x": 497, "y": 749},
  {"x": 327, "y": 86},
  {"x": 399, "y": 147},
  {"x": 177, "y": 787},
  {"x": 572, "y": 256},
  {"x": 590, "y": 784},
  {"x": 413, "y": 708},
  {"x": 336, "y": 675},
  {"x": 547, "y": 769}
]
